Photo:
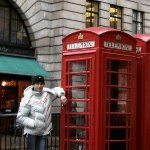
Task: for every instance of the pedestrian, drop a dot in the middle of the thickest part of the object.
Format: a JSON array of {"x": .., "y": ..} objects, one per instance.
[{"x": 35, "y": 112}]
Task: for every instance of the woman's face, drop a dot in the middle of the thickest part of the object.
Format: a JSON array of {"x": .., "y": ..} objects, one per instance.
[{"x": 38, "y": 86}]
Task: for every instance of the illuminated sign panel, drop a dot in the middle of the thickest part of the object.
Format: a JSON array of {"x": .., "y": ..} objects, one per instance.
[
  {"x": 80, "y": 45},
  {"x": 120, "y": 46}
]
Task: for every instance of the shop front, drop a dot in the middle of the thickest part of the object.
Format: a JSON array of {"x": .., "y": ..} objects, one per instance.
[{"x": 15, "y": 75}]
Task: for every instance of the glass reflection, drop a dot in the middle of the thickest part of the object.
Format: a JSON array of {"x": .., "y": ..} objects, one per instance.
[
  {"x": 79, "y": 106},
  {"x": 78, "y": 66},
  {"x": 78, "y": 93},
  {"x": 78, "y": 80}
]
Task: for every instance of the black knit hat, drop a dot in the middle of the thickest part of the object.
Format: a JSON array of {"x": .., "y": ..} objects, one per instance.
[{"x": 38, "y": 78}]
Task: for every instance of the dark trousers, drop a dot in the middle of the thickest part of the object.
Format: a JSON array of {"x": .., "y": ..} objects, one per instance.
[{"x": 35, "y": 142}]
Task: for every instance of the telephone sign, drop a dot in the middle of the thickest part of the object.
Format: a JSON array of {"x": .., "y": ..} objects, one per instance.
[
  {"x": 108, "y": 44},
  {"x": 80, "y": 45}
]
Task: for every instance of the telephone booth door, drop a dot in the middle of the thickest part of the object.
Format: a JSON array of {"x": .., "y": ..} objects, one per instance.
[
  {"x": 78, "y": 113},
  {"x": 119, "y": 104}
]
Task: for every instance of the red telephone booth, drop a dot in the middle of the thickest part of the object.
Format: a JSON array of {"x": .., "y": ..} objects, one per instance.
[
  {"x": 99, "y": 76},
  {"x": 143, "y": 107}
]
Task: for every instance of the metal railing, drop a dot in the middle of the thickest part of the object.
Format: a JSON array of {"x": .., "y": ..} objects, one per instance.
[{"x": 12, "y": 138}]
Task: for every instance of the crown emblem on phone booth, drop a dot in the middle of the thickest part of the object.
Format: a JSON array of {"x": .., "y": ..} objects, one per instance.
[
  {"x": 80, "y": 36},
  {"x": 118, "y": 37}
]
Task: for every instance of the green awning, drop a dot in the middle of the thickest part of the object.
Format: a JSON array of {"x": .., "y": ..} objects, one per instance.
[{"x": 21, "y": 66}]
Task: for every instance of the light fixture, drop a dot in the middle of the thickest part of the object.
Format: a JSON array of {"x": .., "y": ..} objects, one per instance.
[{"x": 3, "y": 83}]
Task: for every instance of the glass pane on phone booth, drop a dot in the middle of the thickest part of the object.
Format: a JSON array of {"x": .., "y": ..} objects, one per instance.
[
  {"x": 79, "y": 93},
  {"x": 79, "y": 106},
  {"x": 118, "y": 104},
  {"x": 79, "y": 66}
]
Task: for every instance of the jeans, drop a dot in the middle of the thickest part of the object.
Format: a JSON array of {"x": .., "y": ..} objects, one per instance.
[{"x": 35, "y": 142}]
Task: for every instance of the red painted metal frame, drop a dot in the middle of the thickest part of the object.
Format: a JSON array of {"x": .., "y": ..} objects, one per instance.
[
  {"x": 143, "y": 107},
  {"x": 99, "y": 55}
]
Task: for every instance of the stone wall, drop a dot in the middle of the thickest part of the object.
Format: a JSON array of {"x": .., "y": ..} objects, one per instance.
[{"x": 48, "y": 21}]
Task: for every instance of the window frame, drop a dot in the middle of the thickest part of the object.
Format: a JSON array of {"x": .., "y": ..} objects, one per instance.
[
  {"x": 92, "y": 14},
  {"x": 116, "y": 17},
  {"x": 136, "y": 22}
]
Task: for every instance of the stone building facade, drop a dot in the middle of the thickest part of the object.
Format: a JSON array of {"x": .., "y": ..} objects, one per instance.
[{"x": 48, "y": 21}]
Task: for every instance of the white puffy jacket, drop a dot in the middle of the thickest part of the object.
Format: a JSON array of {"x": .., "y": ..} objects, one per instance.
[{"x": 35, "y": 110}]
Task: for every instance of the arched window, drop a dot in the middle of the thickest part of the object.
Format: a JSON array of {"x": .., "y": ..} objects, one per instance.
[{"x": 12, "y": 29}]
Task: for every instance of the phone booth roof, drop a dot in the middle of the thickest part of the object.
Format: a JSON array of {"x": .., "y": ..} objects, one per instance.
[
  {"x": 98, "y": 37},
  {"x": 143, "y": 43}
]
